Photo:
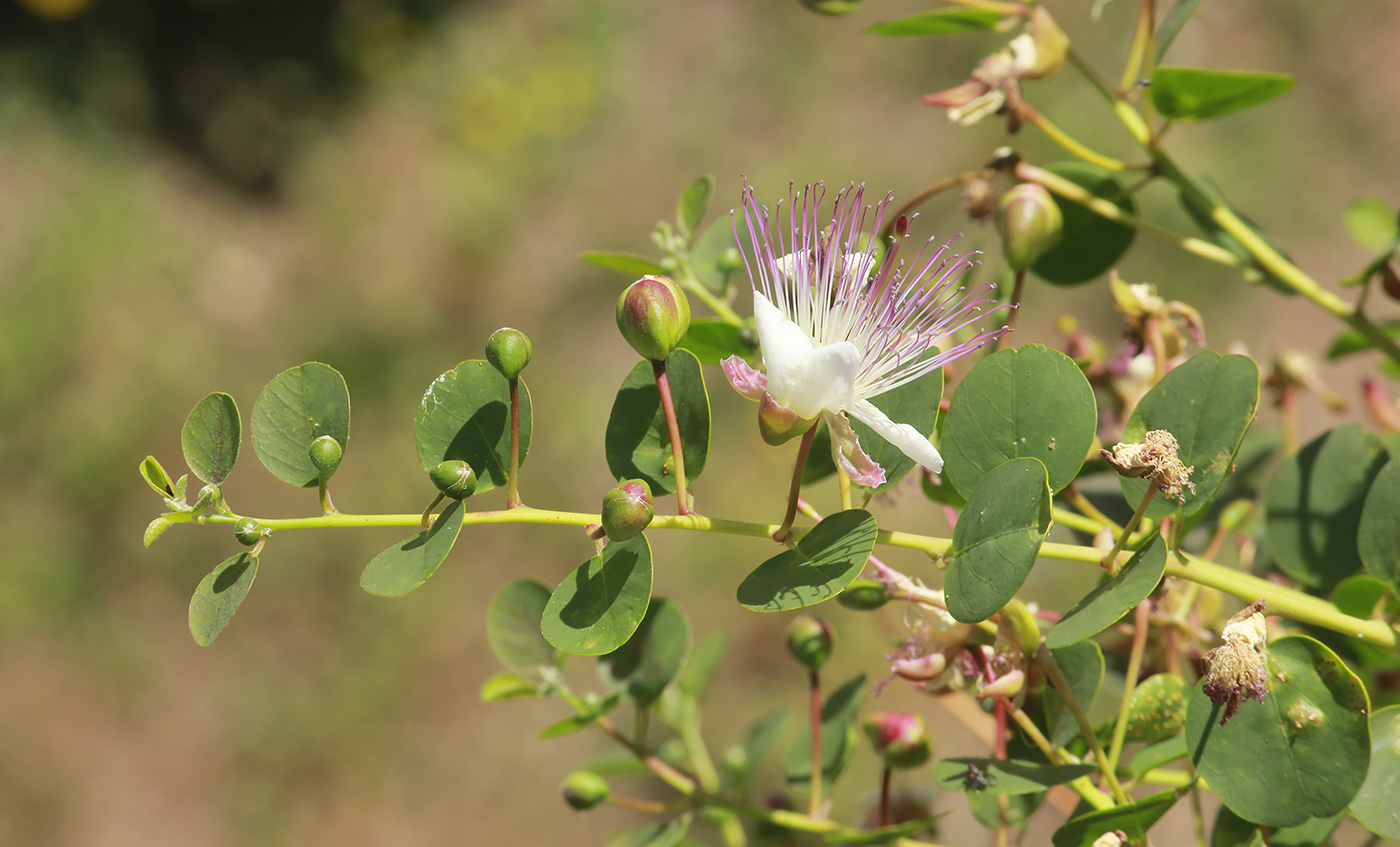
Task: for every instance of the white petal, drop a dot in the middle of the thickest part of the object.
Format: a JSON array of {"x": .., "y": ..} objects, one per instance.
[
  {"x": 785, "y": 347},
  {"x": 909, "y": 440},
  {"x": 827, "y": 382},
  {"x": 845, "y": 449}
]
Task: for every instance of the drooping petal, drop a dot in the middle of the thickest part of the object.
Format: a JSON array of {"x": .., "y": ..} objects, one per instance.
[
  {"x": 827, "y": 382},
  {"x": 845, "y": 449},
  {"x": 908, "y": 439},
  {"x": 747, "y": 381},
  {"x": 785, "y": 347}
]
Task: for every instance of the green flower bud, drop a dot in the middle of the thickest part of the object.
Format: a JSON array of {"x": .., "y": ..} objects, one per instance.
[
  {"x": 508, "y": 350},
  {"x": 1029, "y": 223},
  {"x": 809, "y": 640},
  {"x": 1020, "y": 626},
  {"x": 454, "y": 478},
  {"x": 248, "y": 532},
  {"x": 864, "y": 595},
  {"x": 653, "y": 314},
  {"x": 1008, "y": 685},
  {"x": 627, "y": 510},
  {"x": 583, "y": 790},
  {"x": 778, "y": 425},
  {"x": 326, "y": 453},
  {"x": 731, "y": 259},
  {"x": 832, "y": 8},
  {"x": 900, "y": 739}
]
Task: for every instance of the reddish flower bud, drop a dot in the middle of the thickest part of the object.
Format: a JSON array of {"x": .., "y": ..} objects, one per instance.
[{"x": 653, "y": 314}]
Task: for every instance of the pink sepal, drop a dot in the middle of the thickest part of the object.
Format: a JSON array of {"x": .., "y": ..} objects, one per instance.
[
  {"x": 747, "y": 381},
  {"x": 845, "y": 448}
]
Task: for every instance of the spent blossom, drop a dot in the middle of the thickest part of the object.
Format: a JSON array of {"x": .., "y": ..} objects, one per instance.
[
  {"x": 838, "y": 325},
  {"x": 1235, "y": 670},
  {"x": 1155, "y": 457}
]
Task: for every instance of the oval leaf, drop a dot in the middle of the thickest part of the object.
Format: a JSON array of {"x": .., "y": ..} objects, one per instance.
[
  {"x": 465, "y": 414},
  {"x": 938, "y": 22},
  {"x": 625, "y": 263},
  {"x": 1231, "y": 830},
  {"x": 1134, "y": 820},
  {"x": 219, "y": 595},
  {"x": 156, "y": 477},
  {"x": 914, "y": 403},
  {"x": 1375, "y": 805},
  {"x": 1378, "y": 534},
  {"x": 1027, "y": 401},
  {"x": 667, "y": 834},
  {"x": 1300, "y": 754},
  {"x": 825, "y": 560},
  {"x": 1108, "y": 603},
  {"x": 694, "y": 202},
  {"x": 1089, "y": 244},
  {"x": 513, "y": 625},
  {"x": 637, "y": 441},
  {"x": 1207, "y": 402},
  {"x": 1003, "y": 776},
  {"x": 1312, "y": 507},
  {"x": 1197, "y": 94},
  {"x": 653, "y": 656},
  {"x": 598, "y": 607},
  {"x": 299, "y": 406},
  {"x": 408, "y": 564},
  {"x": 1083, "y": 665},
  {"x": 507, "y": 686},
  {"x": 713, "y": 340},
  {"x": 997, "y": 539},
  {"x": 211, "y": 436},
  {"x": 1372, "y": 224}
]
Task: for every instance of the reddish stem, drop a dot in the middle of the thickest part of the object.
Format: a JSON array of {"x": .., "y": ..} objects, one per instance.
[
  {"x": 795, "y": 491},
  {"x": 668, "y": 408},
  {"x": 886, "y": 819},
  {"x": 513, "y": 500},
  {"x": 814, "y": 685}
]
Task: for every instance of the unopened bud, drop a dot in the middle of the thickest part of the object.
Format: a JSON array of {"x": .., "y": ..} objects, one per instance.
[
  {"x": 730, "y": 260},
  {"x": 779, "y": 425},
  {"x": 627, "y": 510},
  {"x": 653, "y": 314},
  {"x": 920, "y": 668},
  {"x": 979, "y": 198},
  {"x": 899, "y": 738},
  {"x": 248, "y": 532},
  {"x": 583, "y": 790},
  {"x": 508, "y": 350},
  {"x": 1390, "y": 280},
  {"x": 1008, "y": 684},
  {"x": 325, "y": 455},
  {"x": 809, "y": 640},
  {"x": 1020, "y": 626},
  {"x": 832, "y": 8},
  {"x": 1029, "y": 223},
  {"x": 455, "y": 478},
  {"x": 863, "y": 595}
]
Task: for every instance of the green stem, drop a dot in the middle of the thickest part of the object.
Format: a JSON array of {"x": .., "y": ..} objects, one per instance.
[
  {"x": 1061, "y": 685},
  {"x": 1103, "y": 208},
  {"x": 1067, "y": 141},
  {"x": 1110, "y": 560},
  {"x": 1120, "y": 729},
  {"x": 427, "y": 519},
  {"x": 1138, "y": 52},
  {"x": 1281, "y": 599},
  {"x": 668, "y": 408},
  {"x": 1127, "y": 115},
  {"x": 1086, "y": 789}
]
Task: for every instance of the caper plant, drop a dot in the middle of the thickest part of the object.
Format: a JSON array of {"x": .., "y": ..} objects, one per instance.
[{"x": 1278, "y": 700}]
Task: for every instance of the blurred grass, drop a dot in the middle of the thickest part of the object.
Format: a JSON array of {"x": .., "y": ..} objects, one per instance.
[{"x": 488, "y": 151}]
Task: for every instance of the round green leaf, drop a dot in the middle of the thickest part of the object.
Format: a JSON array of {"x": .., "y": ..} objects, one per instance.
[
  {"x": 713, "y": 340},
  {"x": 637, "y": 441},
  {"x": 1378, "y": 535},
  {"x": 408, "y": 564},
  {"x": 1089, "y": 245},
  {"x": 1197, "y": 94},
  {"x": 1313, "y": 506},
  {"x": 1134, "y": 819},
  {"x": 1157, "y": 710},
  {"x": 997, "y": 539},
  {"x": 914, "y": 403},
  {"x": 299, "y": 406},
  {"x": 839, "y": 737},
  {"x": 1083, "y": 665},
  {"x": 1300, "y": 754},
  {"x": 653, "y": 656},
  {"x": 1358, "y": 596},
  {"x": 1004, "y": 776},
  {"x": 1105, "y": 605},
  {"x": 465, "y": 415},
  {"x": 1207, "y": 402},
  {"x": 598, "y": 607},
  {"x": 1024, "y": 401},
  {"x": 210, "y": 438},
  {"x": 219, "y": 595},
  {"x": 1377, "y": 804},
  {"x": 1372, "y": 224},
  {"x": 507, "y": 686},
  {"x": 1231, "y": 830},
  {"x": 513, "y": 625},
  {"x": 825, "y": 560}
]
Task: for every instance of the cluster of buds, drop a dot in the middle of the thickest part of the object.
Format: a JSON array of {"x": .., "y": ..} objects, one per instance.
[
  {"x": 994, "y": 87},
  {"x": 1152, "y": 320},
  {"x": 1154, "y": 457},
  {"x": 1235, "y": 671}
]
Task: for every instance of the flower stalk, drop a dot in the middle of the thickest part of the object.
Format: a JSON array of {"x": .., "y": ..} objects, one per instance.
[{"x": 668, "y": 408}]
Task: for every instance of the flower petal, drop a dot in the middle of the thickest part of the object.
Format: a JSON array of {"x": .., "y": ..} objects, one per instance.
[
  {"x": 747, "y": 381},
  {"x": 908, "y": 439},
  {"x": 827, "y": 382},
  {"x": 785, "y": 347},
  {"x": 845, "y": 449}
]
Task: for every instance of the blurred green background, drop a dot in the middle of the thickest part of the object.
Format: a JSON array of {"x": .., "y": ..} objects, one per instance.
[{"x": 198, "y": 194}]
